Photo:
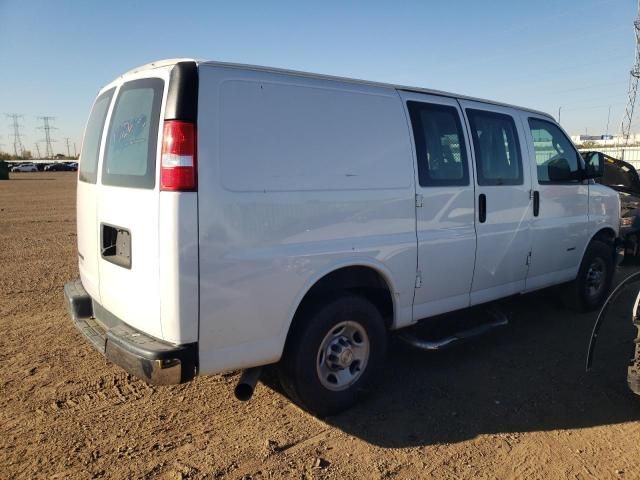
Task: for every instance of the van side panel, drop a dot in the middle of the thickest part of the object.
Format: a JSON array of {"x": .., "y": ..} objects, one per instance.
[
  {"x": 87, "y": 238},
  {"x": 178, "y": 224},
  {"x": 604, "y": 209},
  {"x": 560, "y": 233},
  {"x": 297, "y": 176},
  {"x": 178, "y": 265}
]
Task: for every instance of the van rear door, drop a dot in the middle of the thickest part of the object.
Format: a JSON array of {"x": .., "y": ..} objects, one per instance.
[
  {"x": 127, "y": 212},
  {"x": 86, "y": 199}
]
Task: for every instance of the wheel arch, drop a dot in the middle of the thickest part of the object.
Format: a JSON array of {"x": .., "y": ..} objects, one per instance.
[
  {"x": 371, "y": 279},
  {"x": 606, "y": 234}
]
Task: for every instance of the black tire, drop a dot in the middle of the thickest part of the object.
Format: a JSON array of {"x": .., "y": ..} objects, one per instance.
[
  {"x": 580, "y": 295},
  {"x": 299, "y": 371}
]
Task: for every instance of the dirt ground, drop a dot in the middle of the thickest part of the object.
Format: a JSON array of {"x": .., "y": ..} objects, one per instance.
[{"x": 516, "y": 403}]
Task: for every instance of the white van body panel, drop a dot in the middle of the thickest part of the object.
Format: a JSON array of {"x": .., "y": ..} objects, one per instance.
[
  {"x": 561, "y": 233},
  {"x": 158, "y": 294},
  {"x": 178, "y": 266},
  {"x": 301, "y": 176},
  {"x": 446, "y": 234},
  {"x": 504, "y": 239},
  {"x": 88, "y": 233},
  {"x": 88, "y": 254},
  {"x": 602, "y": 202},
  {"x": 133, "y": 294}
]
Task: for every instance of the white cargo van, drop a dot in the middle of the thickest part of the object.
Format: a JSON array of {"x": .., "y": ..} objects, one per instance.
[{"x": 234, "y": 216}]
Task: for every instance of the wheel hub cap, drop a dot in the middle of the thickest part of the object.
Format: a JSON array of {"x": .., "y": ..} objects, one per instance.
[
  {"x": 339, "y": 353},
  {"x": 343, "y": 355},
  {"x": 595, "y": 277}
]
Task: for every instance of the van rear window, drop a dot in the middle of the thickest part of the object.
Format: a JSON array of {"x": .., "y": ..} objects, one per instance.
[
  {"x": 92, "y": 138},
  {"x": 130, "y": 152}
]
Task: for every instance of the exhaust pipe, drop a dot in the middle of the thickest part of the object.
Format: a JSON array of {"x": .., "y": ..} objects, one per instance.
[{"x": 247, "y": 383}]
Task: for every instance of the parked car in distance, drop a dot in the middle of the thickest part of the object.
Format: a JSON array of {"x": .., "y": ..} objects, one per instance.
[
  {"x": 623, "y": 178},
  {"x": 311, "y": 215},
  {"x": 25, "y": 167},
  {"x": 59, "y": 167}
]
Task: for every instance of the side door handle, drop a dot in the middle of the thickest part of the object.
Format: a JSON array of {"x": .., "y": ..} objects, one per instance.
[
  {"x": 536, "y": 203},
  {"x": 482, "y": 208}
]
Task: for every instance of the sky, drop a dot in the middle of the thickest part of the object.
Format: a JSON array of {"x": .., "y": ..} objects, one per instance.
[{"x": 548, "y": 54}]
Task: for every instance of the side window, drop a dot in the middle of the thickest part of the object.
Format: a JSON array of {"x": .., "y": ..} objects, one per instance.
[
  {"x": 92, "y": 137},
  {"x": 440, "y": 147},
  {"x": 556, "y": 159},
  {"x": 130, "y": 150},
  {"x": 496, "y": 147}
]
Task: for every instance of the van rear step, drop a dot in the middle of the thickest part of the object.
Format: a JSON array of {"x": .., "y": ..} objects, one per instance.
[
  {"x": 148, "y": 358},
  {"x": 445, "y": 331}
]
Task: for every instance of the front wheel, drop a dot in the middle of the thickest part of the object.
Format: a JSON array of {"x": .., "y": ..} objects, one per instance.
[
  {"x": 333, "y": 354},
  {"x": 590, "y": 288}
]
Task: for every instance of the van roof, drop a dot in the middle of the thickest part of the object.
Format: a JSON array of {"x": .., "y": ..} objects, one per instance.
[{"x": 167, "y": 62}]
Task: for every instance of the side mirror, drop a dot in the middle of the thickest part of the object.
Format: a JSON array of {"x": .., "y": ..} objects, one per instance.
[{"x": 594, "y": 165}]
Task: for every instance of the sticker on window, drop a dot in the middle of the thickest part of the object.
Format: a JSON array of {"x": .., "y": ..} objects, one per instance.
[{"x": 129, "y": 132}]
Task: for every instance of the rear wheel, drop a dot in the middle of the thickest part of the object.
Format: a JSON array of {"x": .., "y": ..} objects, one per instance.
[
  {"x": 590, "y": 288},
  {"x": 333, "y": 353}
]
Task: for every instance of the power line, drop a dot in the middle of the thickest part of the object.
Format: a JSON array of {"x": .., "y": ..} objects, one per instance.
[
  {"x": 68, "y": 142},
  {"x": 18, "y": 147},
  {"x": 47, "y": 127}
]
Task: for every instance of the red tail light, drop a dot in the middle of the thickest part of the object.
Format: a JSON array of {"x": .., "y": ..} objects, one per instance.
[{"x": 178, "y": 165}]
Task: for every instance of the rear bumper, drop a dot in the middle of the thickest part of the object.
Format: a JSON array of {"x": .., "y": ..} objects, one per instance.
[{"x": 148, "y": 358}]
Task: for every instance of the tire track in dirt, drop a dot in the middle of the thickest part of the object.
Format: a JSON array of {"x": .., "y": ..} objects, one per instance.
[
  {"x": 516, "y": 405},
  {"x": 95, "y": 395}
]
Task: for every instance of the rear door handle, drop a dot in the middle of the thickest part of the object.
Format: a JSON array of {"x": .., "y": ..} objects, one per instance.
[
  {"x": 536, "y": 203},
  {"x": 115, "y": 245},
  {"x": 482, "y": 208}
]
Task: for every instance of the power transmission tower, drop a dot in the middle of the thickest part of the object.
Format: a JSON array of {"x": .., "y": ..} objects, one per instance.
[
  {"x": 633, "y": 84},
  {"x": 18, "y": 148},
  {"x": 75, "y": 152},
  {"x": 47, "y": 127},
  {"x": 67, "y": 140},
  {"x": 38, "y": 150}
]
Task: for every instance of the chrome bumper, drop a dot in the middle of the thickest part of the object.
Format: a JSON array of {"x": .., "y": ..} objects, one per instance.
[{"x": 148, "y": 358}]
